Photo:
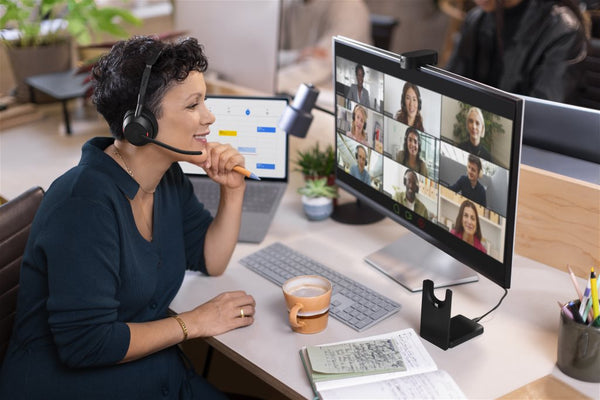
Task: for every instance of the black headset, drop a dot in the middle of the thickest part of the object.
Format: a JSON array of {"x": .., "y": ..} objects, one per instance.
[
  {"x": 140, "y": 126},
  {"x": 416, "y": 176},
  {"x": 366, "y": 154}
]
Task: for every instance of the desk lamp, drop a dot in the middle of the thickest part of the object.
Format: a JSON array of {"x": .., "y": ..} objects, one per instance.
[
  {"x": 297, "y": 117},
  {"x": 296, "y": 120}
]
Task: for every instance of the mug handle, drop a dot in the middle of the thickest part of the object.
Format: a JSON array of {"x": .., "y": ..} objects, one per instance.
[{"x": 294, "y": 316}]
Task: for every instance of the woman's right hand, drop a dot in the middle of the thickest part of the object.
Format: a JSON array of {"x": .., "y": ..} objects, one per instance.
[{"x": 220, "y": 314}]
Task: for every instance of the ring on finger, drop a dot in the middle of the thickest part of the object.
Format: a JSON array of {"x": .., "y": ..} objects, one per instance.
[{"x": 242, "y": 312}]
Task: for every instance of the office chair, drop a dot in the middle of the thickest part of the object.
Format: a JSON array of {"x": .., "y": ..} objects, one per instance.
[
  {"x": 587, "y": 93},
  {"x": 16, "y": 217},
  {"x": 382, "y": 28}
]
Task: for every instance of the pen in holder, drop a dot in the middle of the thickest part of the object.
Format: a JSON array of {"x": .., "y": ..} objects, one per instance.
[{"x": 578, "y": 349}]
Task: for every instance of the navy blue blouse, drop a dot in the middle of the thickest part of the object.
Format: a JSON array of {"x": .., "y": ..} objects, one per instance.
[{"x": 87, "y": 271}]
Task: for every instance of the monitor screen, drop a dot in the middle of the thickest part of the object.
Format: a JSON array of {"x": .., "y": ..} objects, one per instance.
[{"x": 435, "y": 152}]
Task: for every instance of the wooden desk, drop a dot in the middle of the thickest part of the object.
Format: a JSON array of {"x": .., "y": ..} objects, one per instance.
[{"x": 518, "y": 345}]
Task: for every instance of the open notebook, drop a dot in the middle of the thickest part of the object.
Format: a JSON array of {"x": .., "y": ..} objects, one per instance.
[{"x": 249, "y": 124}]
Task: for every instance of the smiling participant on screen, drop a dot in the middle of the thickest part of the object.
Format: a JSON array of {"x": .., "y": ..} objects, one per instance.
[
  {"x": 410, "y": 107},
  {"x": 410, "y": 156},
  {"x": 358, "y": 93},
  {"x": 467, "y": 226},
  {"x": 408, "y": 198},
  {"x": 468, "y": 185},
  {"x": 358, "y": 129},
  {"x": 476, "y": 132},
  {"x": 358, "y": 170}
]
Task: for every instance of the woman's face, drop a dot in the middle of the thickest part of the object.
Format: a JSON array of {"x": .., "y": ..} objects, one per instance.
[
  {"x": 360, "y": 77},
  {"x": 185, "y": 121},
  {"x": 359, "y": 121},
  {"x": 411, "y": 101},
  {"x": 475, "y": 127},
  {"x": 469, "y": 221},
  {"x": 412, "y": 143}
]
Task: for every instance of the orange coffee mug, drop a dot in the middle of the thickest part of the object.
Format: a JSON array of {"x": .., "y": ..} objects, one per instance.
[{"x": 307, "y": 298}]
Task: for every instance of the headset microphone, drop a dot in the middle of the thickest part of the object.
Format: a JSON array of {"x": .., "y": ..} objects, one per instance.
[
  {"x": 175, "y": 149},
  {"x": 140, "y": 126}
]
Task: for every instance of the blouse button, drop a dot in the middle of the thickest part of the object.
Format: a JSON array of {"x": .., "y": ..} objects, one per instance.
[
  {"x": 165, "y": 391},
  {"x": 153, "y": 305}
]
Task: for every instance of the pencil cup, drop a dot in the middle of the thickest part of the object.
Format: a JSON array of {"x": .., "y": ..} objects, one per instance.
[
  {"x": 578, "y": 350},
  {"x": 307, "y": 298}
]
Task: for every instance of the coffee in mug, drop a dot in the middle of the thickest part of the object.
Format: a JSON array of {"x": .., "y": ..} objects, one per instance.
[{"x": 307, "y": 298}]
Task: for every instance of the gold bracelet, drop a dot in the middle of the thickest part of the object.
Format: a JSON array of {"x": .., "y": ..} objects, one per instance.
[{"x": 183, "y": 327}]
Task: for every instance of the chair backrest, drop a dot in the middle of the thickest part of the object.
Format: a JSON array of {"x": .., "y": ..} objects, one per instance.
[
  {"x": 16, "y": 217},
  {"x": 382, "y": 28},
  {"x": 587, "y": 92}
]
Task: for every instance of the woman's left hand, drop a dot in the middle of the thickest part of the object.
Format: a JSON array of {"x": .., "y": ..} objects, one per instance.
[{"x": 219, "y": 163}]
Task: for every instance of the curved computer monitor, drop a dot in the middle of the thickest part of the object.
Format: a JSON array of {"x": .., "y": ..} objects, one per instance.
[{"x": 435, "y": 152}]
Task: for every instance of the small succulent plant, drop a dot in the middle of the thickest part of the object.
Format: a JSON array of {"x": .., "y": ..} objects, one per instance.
[{"x": 318, "y": 188}]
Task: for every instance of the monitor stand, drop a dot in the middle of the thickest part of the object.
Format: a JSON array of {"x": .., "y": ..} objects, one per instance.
[
  {"x": 410, "y": 260},
  {"x": 355, "y": 213}
]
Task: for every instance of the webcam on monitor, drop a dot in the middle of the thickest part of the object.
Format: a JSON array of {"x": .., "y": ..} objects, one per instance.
[{"x": 418, "y": 58}]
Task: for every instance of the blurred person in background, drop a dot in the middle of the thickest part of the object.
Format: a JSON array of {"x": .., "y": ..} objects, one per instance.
[
  {"x": 522, "y": 46},
  {"x": 307, "y": 27}
]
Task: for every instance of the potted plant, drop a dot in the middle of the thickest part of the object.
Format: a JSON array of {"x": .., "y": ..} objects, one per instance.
[
  {"x": 317, "y": 198},
  {"x": 317, "y": 163},
  {"x": 38, "y": 33}
]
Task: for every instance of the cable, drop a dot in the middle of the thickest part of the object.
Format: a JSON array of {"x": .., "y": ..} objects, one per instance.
[{"x": 495, "y": 307}]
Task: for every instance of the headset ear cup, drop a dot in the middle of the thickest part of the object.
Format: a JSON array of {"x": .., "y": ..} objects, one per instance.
[
  {"x": 153, "y": 130},
  {"x": 136, "y": 129}
]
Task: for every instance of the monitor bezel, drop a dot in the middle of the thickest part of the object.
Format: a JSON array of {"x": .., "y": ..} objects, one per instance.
[{"x": 462, "y": 89}]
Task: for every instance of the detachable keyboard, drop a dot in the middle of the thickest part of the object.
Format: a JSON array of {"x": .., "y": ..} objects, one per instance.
[{"x": 351, "y": 303}]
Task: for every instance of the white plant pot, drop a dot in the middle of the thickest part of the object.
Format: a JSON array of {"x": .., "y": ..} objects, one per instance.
[{"x": 317, "y": 208}]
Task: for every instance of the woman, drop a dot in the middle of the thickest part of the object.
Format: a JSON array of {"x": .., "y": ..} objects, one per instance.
[
  {"x": 410, "y": 156},
  {"x": 476, "y": 131},
  {"x": 113, "y": 237},
  {"x": 410, "y": 107},
  {"x": 522, "y": 46},
  {"x": 467, "y": 226},
  {"x": 358, "y": 129}
]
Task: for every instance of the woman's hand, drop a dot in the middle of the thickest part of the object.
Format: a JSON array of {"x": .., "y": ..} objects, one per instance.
[
  {"x": 219, "y": 163},
  {"x": 221, "y": 314}
]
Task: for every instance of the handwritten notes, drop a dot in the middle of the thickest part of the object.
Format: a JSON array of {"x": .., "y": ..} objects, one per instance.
[{"x": 356, "y": 357}]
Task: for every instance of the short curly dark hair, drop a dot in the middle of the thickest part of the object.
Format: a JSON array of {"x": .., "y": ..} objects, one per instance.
[{"x": 116, "y": 78}]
